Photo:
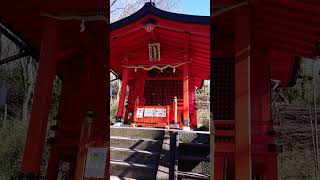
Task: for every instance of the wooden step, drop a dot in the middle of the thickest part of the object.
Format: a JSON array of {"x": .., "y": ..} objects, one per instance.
[
  {"x": 194, "y": 149},
  {"x": 196, "y": 145},
  {"x": 190, "y": 175},
  {"x": 120, "y": 178},
  {"x": 134, "y": 156},
  {"x": 135, "y": 143},
  {"x": 135, "y": 152},
  {"x": 193, "y": 158},
  {"x": 136, "y": 132},
  {"x": 132, "y": 170}
]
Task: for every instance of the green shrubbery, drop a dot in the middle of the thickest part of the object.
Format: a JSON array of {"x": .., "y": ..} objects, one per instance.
[
  {"x": 12, "y": 138},
  {"x": 113, "y": 109}
]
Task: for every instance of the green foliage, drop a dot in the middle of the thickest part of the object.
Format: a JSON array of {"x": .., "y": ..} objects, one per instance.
[
  {"x": 11, "y": 76},
  {"x": 11, "y": 148},
  {"x": 203, "y": 118},
  {"x": 202, "y": 100},
  {"x": 296, "y": 165},
  {"x": 297, "y": 161},
  {"x": 113, "y": 109},
  {"x": 12, "y": 136}
]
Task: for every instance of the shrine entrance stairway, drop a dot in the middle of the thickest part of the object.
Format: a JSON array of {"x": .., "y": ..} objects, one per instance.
[{"x": 135, "y": 152}]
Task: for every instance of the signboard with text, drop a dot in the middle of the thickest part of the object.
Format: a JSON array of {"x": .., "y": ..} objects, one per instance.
[{"x": 151, "y": 112}]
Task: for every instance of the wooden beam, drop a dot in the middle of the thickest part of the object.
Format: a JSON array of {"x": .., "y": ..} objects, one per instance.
[
  {"x": 294, "y": 6},
  {"x": 42, "y": 99},
  {"x": 287, "y": 23},
  {"x": 283, "y": 13},
  {"x": 242, "y": 92}
]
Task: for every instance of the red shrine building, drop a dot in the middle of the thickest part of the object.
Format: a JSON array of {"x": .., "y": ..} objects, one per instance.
[
  {"x": 161, "y": 57},
  {"x": 70, "y": 40},
  {"x": 256, "y": 46}
]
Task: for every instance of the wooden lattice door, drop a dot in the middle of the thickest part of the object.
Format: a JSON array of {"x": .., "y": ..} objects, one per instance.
[{"x": 162, "y": 92}]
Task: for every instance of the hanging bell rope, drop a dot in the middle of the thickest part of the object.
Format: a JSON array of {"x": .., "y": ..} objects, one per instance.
[{"x": 156, "y": 67}]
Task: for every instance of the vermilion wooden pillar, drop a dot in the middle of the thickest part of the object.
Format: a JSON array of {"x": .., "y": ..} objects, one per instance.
[
  {"x": 175, "y": 110},
  {"x": 242, "y": 92},
  {"x": 53, "y": 165},
  {"x": 193, "y": 121},
  {"x": 260, "y": 106},
  {"x": 219, "y": 168},
  {"x": 270, "y": 168},
  {"x": 86, "y": 132},
  {"x": 186, "y": 93},
  {"x": 99, "y": 90},
  {"x": 260, "y": 93},
  {"x": 101, "y": 123},
  {"x": 42, "y": 99},
  {"x": 272, "y": 171},
  {"x": 124, "y": 84}
]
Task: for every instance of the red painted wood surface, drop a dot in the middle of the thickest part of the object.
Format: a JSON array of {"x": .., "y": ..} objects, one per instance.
[
  {"x": 272, "y": 41},
  {"x": 129, "y": 45},
  {"x": 84, "y": 78},
  {"x": 276, "y": 26},
  {"x": 41, "y": 103},
  {"x": 152, "y": 121},
  {"x": 123, "y": 92}
]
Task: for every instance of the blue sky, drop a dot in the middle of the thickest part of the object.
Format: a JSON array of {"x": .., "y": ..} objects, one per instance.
[
  {"x": 191, "y": 7},
  {"x": 196, "y": 7}
]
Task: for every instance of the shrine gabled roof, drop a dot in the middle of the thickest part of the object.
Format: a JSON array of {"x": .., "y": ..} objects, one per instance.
[
  {"x": 178, "y": 35},
  {"x": 149, "y": 8}
]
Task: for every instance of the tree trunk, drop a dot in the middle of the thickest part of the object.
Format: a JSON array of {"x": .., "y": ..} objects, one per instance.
[
  {"x": 0, "y": 45},
  {"x": 29, "y": 69}
]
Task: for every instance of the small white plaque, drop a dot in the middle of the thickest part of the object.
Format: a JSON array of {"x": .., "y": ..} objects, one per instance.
[
  {"x": 149, "y": 112},
  {"x": 95, "y": 162},
  {"x": 160, "y": 112},
  {"x": 139, "y": 113}
]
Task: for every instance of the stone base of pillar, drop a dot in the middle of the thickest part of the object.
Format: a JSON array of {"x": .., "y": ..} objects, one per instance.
[
  {"x": 174, "y": 126},
  {"x": 117, "y": 124},
  {"x": 186, "y": 128}
]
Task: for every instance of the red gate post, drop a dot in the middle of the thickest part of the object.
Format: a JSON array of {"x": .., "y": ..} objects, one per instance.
[
  {"x": 242, "y": 154},
  {"x": 99, "y": 91},
  {"x": 83, "y": 144},
  {"x": 219, "y": 168},
  {"x": 186, "y": 102},
  {"x": 168, "y": 117},
  {"x": 53, "y": 165},
  {"x": 193, "y": 121},
  {"x": 137, "y": 102},
  {"x": 175, "y": 110},
  {"x": 100, "y": 105},
  {"x": 272, "y": 169},
  {"x": 42, "y": 99},
  {"x": 124, "y": 84}
]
